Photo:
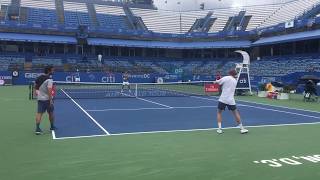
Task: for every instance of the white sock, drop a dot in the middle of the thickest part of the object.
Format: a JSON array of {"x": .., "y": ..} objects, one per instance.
[
  {"x": 219, "y": 125},
  {"x": 241, "y": 126}
]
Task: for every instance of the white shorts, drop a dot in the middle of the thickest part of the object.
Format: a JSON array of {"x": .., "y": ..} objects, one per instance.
[{"x": 125, "y": 83}]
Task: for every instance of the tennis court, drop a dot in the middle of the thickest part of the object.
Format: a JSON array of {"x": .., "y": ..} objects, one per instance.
[
  {"x": 158, "y": 137},
  {"x": 170, "y": 107}
]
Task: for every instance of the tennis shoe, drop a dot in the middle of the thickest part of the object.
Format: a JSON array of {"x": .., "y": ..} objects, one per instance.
[
  {"x": 244, "y": 131},
  {"x": 53, "y": 128},
  {"x": 219, "y": 131},
  {"x": 38, "y": 131}
]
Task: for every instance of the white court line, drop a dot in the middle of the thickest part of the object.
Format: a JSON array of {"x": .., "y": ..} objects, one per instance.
[
  {"x": 209, "y": 129},
  {"x": 215, "y": 99},
  {"x": 197, "y": 97},
  {"x": 79, "y": 137},
  {"x": 280, "y": 106},
  {"x": 141, "y": 109},
  {"x": 287, "y": 112},
  {"x": 53, "y": 135},
  {"x": 153, "y": 102},
  {"x": 104, "y": 130},
  {"x": 129, "y": 109},
  {"x": 186, "y": 130}
]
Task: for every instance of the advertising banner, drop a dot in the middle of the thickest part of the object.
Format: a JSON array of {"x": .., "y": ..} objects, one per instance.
[{"x": 5, "y": 78}]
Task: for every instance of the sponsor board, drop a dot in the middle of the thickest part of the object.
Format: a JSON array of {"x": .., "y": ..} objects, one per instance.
[{"x": 210, "y": 87}]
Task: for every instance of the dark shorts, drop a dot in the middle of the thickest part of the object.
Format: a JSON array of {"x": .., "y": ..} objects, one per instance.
[
  {"x": 44, "y": 106},
  {"x": 222, "y": 106}
]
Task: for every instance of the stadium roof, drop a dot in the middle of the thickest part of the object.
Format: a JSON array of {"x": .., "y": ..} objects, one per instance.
[
  {"x": 173, "y": 45},
  {"x": 288, "y": 38},
  {"x": 187, "y": 5},
  {"x": 37, "y": 38}
]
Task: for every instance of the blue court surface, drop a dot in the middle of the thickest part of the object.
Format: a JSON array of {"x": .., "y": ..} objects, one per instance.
[{"x": 77, "y": 118}]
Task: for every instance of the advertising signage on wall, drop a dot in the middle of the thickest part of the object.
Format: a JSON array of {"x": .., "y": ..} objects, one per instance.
[
  {"x": 28, "y": 77},
  {"x": 5, "y": 78}
]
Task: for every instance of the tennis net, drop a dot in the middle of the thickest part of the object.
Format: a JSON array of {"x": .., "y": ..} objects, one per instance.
[{"x": 86, "y": 90}]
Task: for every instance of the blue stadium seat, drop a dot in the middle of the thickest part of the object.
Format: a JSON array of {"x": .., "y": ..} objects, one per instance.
[
  {"x": 112, "y": 21},
  {"x": 74, "y": 19},
  {"x": 42, "y": 17}
]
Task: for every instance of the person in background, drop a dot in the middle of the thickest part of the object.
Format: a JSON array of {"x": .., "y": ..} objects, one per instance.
[
  {"x": 218, "y": 75},
  {"x": 311, "y": 88},
  {"x": 125, "y": 81}
]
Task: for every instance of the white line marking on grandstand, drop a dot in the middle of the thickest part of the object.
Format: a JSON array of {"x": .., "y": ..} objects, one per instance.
[
  {"x": 141, "y": 109},
  {"x": 186, "y": 130},
  {"x": 267, "y": 108},
  {"x": 104, "y": 130},
  {"x": 153, "y": 102},
  {"x": 53, "y": 135}
]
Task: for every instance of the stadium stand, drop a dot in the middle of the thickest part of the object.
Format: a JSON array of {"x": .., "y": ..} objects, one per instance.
[
  {"x": 39, "y": 12},
  {"x": 208, "y": 68},
  {"x": 111, "y": 17},
  {"x": 267, "y": 66},
  {"x": 222, "y": 16},
  {"x": 92, "y": 14},
  {"x": 284, "y": 65},
  {"x": 100, "y": 17},
  {"x": 170, "y": 66},
  {"x": 4, "y": 9},
  {"x": 152, "y": 65},
  {"x": 11, "y": 62},
  {"x": 76, "y": 14},
  {"x": 288, "y": 11},
  {"x": 259, "y": 14},
  {"x": 60, "y": 11},
  {"x": 106, "y": 17},
  {"x": 162, "y": 21}
]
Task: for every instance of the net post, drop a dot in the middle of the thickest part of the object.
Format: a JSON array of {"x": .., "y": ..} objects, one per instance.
[
  {"x": 29, "y": 91},
  {"x": 136, "y": 90},
  {"x": 31, "y": 86}
]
